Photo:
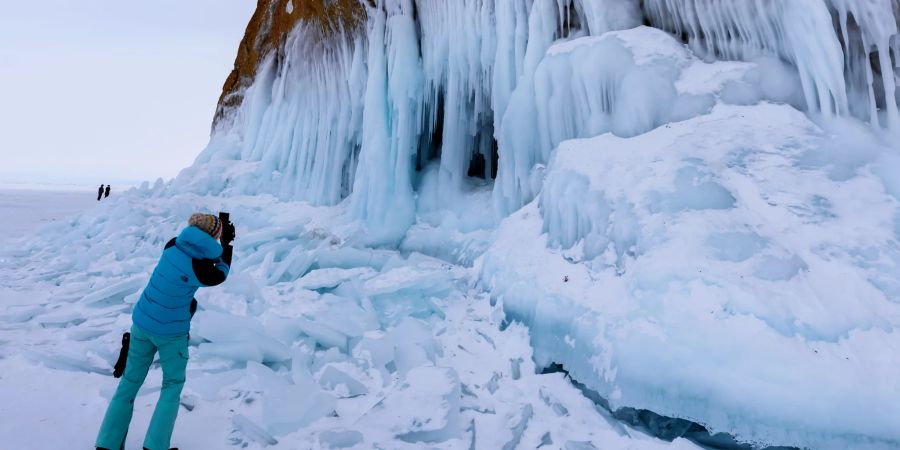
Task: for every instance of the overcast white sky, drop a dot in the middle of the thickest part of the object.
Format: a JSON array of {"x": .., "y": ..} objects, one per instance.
[{"x": 106, "y": 91}]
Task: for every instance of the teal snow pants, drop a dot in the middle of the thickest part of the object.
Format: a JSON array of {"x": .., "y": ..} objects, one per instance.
[{"x": 173, "y": 356}]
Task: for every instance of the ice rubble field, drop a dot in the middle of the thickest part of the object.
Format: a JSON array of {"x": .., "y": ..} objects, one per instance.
[
  {"x": 726, "y": 260},
  {"x": 312, "y": 343}
]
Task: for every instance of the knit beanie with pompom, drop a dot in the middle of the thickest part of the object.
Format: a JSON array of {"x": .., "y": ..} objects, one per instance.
[{"x": 206, "y": 222}]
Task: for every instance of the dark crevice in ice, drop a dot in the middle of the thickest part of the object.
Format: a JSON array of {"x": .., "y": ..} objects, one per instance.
[
  {"x": 348, "y": 171},
  {"x": 483, "y": 163},
  {"x": 570, "y": 21},
  {"x": 430, "y": 143},
  {"x": 662, "y": 427}
]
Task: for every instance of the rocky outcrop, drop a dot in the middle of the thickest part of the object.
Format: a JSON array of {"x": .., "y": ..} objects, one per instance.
[{"x": 268, "y": 29}]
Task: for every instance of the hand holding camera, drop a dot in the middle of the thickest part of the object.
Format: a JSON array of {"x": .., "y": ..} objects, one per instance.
[{"x": 228, "y": 233}]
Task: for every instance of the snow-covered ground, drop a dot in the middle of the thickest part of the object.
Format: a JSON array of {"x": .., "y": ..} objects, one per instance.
[{"x": 23, "y": 210}]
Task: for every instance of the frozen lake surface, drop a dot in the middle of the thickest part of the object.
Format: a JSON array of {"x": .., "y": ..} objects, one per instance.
[{"x": 22, "y": 211}]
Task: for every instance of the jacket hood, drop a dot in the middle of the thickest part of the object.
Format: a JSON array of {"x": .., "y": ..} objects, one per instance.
[{"x": 198, "y": 244}]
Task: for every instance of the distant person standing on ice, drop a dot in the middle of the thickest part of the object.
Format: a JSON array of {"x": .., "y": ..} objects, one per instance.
[
  {"x": 100, "y": 193},
  {"x": 160, "y": 323},
  {"x": 107, "y": 191}
]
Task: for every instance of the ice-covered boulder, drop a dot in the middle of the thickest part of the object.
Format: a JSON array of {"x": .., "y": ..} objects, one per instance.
[{"x": 739, "y": 269}]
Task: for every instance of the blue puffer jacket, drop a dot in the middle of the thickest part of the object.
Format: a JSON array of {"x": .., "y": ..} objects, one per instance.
[{"x": 190, "y": 261}]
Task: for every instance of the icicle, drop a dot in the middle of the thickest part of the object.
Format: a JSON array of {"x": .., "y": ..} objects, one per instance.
[
  {"x": 518, "y": 136},
  {"x": 458, "y": 48},
  {"x": 877, "y": 26},
  {"x": 800, "y": 31},
  {"x": 382, "y": 195},
  {"x": 512, "y": 21},
  {"x": 300, "y": 120}
]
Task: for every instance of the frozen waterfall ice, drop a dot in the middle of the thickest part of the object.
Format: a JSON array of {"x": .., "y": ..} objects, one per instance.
[
  {"x": 431, "y": 100},
  {"x": 458, "y": 83}
]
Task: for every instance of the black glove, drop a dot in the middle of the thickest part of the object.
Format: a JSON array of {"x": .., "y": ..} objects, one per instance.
[
  {"x": 228, "y": 234},
  {"x": 119, "y": 368}
]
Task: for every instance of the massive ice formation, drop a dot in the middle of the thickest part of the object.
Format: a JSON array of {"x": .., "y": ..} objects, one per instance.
[
  {"x": 592, "y": 117},
  {"x": 448, "y": 71},
  {"x": 733, "y": 268}
]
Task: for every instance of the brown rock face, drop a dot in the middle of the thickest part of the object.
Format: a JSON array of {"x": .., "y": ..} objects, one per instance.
[{"x": 268, "y": 29}]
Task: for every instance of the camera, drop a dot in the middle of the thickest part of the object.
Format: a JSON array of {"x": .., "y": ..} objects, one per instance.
[{"x": 227, "y": 228}]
